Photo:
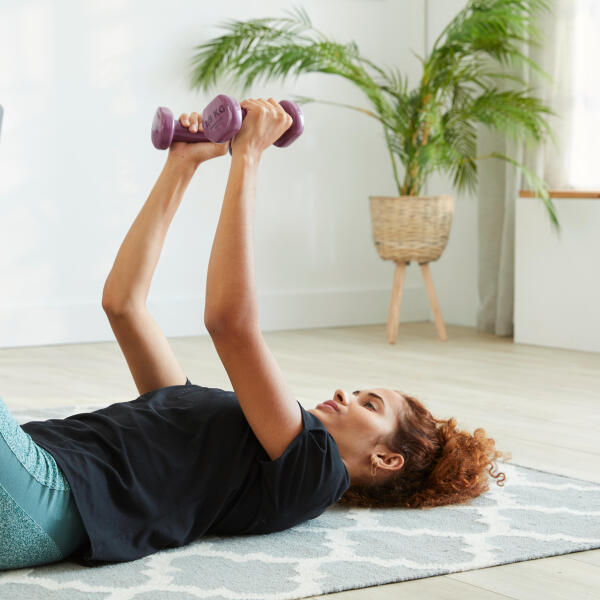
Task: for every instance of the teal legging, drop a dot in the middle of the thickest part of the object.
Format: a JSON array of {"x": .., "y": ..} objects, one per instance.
[{"x": 39, "y": 521}]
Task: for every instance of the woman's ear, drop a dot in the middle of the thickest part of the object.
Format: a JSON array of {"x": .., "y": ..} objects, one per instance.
[{"x": 391, "y": 461}]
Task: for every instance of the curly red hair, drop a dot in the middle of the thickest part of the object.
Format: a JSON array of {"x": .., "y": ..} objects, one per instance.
[{"x": 443, "y": 465}]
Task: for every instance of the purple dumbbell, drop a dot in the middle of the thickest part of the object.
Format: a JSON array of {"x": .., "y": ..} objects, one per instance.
[{"x": 221, "y": 120}]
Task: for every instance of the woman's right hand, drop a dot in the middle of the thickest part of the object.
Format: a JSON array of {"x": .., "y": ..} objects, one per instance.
[{"x": 195, "y": 152}]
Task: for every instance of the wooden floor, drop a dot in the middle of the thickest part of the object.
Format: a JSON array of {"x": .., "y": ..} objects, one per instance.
[{"x": 540, "y": 404}]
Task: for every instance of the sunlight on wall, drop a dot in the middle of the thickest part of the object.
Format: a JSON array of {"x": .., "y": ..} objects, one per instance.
[
  {"x": 27, "y": 64},
  {"x": 37, "y": 35},
  {"x": 27, "y": 51},
  {"x": 12, "y": 171},
  {"x": 111, "y": 51},
  {"x": 107, "y": 47},
  {"x": 111, "y": 48},
  {"x": 584, "y": 171},
  {"x": 9, "y": 46}
]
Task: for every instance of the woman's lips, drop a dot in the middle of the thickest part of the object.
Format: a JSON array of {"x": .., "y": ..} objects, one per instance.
[{"x": 330, "y": 404}]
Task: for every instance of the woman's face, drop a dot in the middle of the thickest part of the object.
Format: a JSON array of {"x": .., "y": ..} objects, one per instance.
[{"x": 362, "y": 421}]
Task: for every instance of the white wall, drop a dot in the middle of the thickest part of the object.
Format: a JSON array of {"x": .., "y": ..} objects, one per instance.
[
  {"x": 556, "y": 291},
  {"x": 455, "y": 273},
  {"x": 80, "y": 82}
]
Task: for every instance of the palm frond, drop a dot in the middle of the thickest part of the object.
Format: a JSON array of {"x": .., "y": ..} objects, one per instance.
[
  {"x": 458, "y": 149},
  {"x": 299, "y": 15},
  {"x": 393, "y": 82},
  {"x": 485, "y": 23},
  {"x": 306, "y": 100},
  {"x": 496, "y": 28},
  {"x": 226, "y": 52},
  {"x": 539, "y": 186},
  {"x": 398, "y": 147},
  {"x": 514, "y": 112},
  {"x": 278, "y": 48}
]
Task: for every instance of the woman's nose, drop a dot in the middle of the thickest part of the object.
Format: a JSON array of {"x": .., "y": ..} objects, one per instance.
[{"x": 340, "y": 396}]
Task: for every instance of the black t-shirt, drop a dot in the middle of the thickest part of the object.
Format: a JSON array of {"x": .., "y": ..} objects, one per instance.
[{"x": 181, "y": 462}]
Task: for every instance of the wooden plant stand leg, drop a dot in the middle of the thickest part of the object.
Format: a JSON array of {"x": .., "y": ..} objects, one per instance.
[
  {"x": 395, "y": 300},
  {"x": 435, "y": 306}
]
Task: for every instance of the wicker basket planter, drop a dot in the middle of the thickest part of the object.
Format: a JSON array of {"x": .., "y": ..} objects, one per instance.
[{"x": 411, "y": 228}]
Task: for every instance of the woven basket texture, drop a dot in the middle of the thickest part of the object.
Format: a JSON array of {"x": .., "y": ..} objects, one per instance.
[{"x": 407, "y": 228}]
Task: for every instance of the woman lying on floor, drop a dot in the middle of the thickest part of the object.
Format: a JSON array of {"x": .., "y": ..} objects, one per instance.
[{"x": 182, "y": 460}]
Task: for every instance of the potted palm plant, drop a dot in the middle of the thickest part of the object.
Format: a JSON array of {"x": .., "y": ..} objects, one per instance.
[{"x": 430, "y": 128}]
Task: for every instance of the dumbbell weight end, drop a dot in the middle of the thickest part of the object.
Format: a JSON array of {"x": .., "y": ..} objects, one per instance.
[{"x": 165, "y": 130}]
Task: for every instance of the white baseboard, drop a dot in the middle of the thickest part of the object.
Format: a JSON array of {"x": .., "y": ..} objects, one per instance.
[{"x": 183, "y": 317}]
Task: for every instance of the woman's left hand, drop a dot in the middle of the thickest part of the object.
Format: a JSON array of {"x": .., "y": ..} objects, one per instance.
[
  {"x": 265, "y": 122},
  {"x": 195, "y": 152}
]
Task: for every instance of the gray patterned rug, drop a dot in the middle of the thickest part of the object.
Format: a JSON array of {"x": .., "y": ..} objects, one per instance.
[{"x": 535, "y": 515}]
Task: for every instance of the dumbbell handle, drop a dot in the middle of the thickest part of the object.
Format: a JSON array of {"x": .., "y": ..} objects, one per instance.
[{"x": 183, "y": 134}]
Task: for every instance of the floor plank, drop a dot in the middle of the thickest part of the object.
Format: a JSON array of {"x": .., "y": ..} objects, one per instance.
[
  {"x": 431, "y": 588},
  {"x": 591, "y": 557},
  {"x": 556, "y": 577}
]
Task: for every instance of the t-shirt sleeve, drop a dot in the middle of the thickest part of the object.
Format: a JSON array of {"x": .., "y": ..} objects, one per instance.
[{"x": 308, "y": 477}]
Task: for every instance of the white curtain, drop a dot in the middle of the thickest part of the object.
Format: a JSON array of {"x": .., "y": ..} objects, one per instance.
[{"x": 499, "y": 183}]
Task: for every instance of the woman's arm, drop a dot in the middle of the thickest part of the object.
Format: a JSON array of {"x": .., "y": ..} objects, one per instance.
[
  {"x": 231, "y": 315},
  {"x": 129, "y": 281},
  {"x": 147, "y": 351},
  {"x": 231, "y": 300},
  {"x": 230, "y": 281}
]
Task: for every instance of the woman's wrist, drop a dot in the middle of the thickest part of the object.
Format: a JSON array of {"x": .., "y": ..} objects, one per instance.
[
  {"x": 183, "y": 165},
  {"x": 249, "y": 157},
  {"x": 186, "y": 167}
]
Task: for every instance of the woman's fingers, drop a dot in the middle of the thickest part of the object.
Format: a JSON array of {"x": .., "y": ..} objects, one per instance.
[
  {"x": 262, "y": 105},
  {"x": 249, "y": 103},
  {"x": 193, "y": 121},
  {"x": 281, "y": 114},
  {"x": 271, "y": 106}
]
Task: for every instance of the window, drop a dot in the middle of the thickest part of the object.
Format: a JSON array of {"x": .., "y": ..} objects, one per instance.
[{"x": 584, "y": 170}]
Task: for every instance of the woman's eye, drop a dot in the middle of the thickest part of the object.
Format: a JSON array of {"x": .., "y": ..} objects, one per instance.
[{"x": 372, "y": 405}]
